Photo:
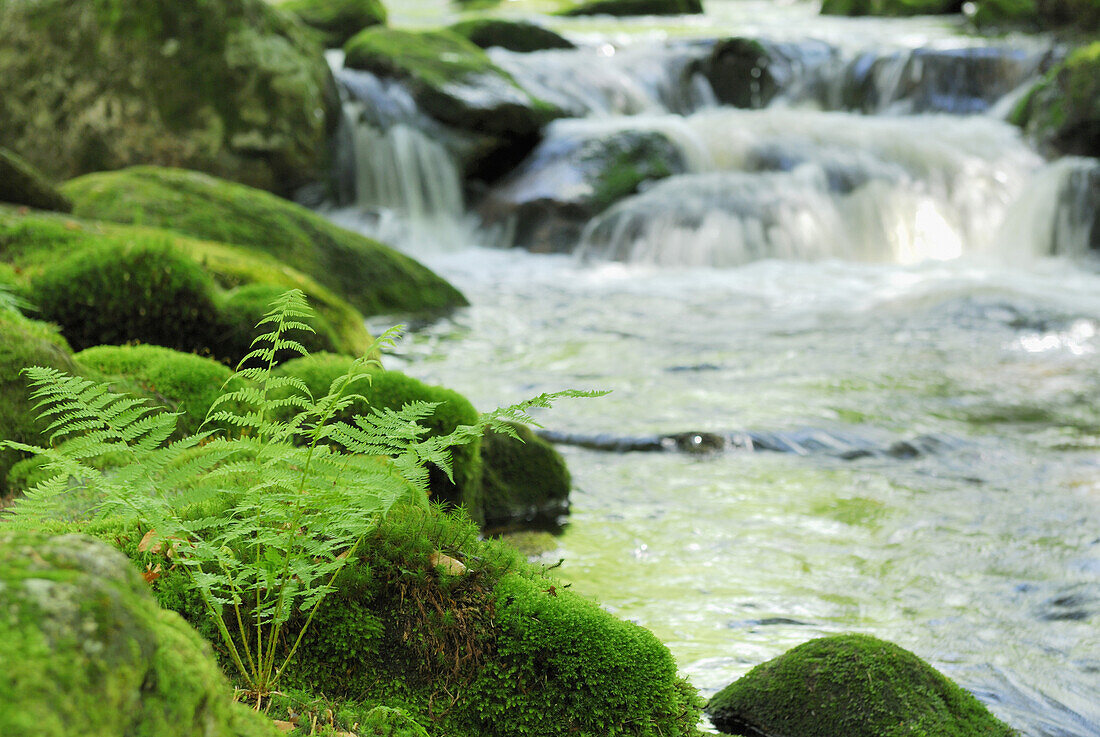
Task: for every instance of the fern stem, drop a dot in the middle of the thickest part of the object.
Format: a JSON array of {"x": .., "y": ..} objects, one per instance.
[{"x": 224, "y": 632}]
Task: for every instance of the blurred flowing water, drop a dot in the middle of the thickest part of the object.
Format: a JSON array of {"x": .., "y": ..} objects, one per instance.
[{"x": 900, "y": 268}]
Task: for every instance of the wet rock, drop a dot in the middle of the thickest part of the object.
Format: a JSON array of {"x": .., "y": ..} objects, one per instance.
[
  {"x": 1063, "y": 110},
  {"x": 22, "y": 184},
  {"x": 636, "y": 7},
  {"x": 338, "y": 20},
  {"x": 233, "y": 87},
  {"x": 890, "y": 7},
  {"x": 88, "y": 650},
  {"x": 510, "y": 34},
  {"x": 1038, "y": 15},
  {"x": 524, "y": 480},
  {"x": 571, "y": 177},
  {"x": 852, "y": 685},
  {"x": 750, "y": 73},
  {"x": 1075, "y": 605}
]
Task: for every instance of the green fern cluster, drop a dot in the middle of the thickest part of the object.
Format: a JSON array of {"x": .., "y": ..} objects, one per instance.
[{"x": 262, "y": 517}]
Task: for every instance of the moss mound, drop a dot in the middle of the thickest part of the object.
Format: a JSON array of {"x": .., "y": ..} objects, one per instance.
[
  {"x": 637, "y": 7},
  {"x": 1063, "y": 110},
  {"x": 22, "y": 184},
  {"x": 393, "y": 390},
  {"x": 372, "y": 277},
  {"x": 338, "y": 20},
  {"x": 88, "y": 651},
  {"x": 451, "y": 79},
  {"x": 126, "y": 272},
  {"x": 232, "y": 87},
  {"x": 24, "y": 343},
  {"x": 524, "y": 480},
  {"x": 852, "y": 685},
  {"x": 509, "y": 34},
  {"x": 890, "y": 7}
]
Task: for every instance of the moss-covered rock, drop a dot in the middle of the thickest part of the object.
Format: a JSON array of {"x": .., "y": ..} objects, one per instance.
[
  {"x": 852, "y": 685},
  {"x": 510, "y": 34},
  {"x": 524, "y": 480},
  {"x": 233, "y": 87},
  {"x": 1063, "y": 110},
  {"x": 393, "y": 390},
  {"x": 637, "y": 7},
  {"x": 22, "y": 184},
  {"x": 451, "y": 79},
  {"x": 126, "y": 269},
  {"x": 372, "y": 277},
  {"x": 337, "y": 20},
  {"x": 88, "y": 651},
  {"x": 1070, "y": 17},
  {"x": 573, "y": 176},
  {"x": 890, "y": 7},
  {"x": 24, "y": 343}
]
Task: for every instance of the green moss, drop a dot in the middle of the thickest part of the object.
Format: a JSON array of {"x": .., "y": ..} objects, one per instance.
[
  {"x": 382, "y": 721},
  {"x": 637, "y": 160},
  {"x": 37, "y": 245},
  {"x": 436, "y": 58},
  {"x": 890, "y": 7},
  {"x": 372, "y": 277},
  {"x": 523, "y": 480},
  {"x": 232, "y": 87},
  {"x": 88, "y": 651},
  {"x": 392, "y": 390},
  {"x": 508, "y": 34},
  {"x": 1063, "y": 110},
  {"x": 852, "y": 685},
  {"x": 22, "y": 184},
  {"x": 245, "y": 306},
  {"x": 1001, "y": 13},
  {"x": 637, "y": 7},
  {"x": 337, "y": 20},
  {"x": 24, "y": 343}
]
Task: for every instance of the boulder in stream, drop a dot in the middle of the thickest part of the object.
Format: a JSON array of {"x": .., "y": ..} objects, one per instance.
[
  {"x": 232, "y": 87},
  {"x": 636, "y": 7},
  {"x": 1074, "y": 16},
  {"x": 851, "y": 685},
  {"x": 87, "y": 650},
  {"x": 22, "y": 184},
  {"x": 513, "y": 35},
  {"x": 891, "y": 7},
  {"x": 1063, "y": 110},
  {"x": 337, "y": 20}
]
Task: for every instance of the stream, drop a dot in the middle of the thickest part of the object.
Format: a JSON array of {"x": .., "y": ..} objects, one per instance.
[{"x": 869, "y": 259}]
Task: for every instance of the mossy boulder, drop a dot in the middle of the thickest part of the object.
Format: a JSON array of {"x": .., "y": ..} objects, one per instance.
[
  {"x": 24, "y": 343},
  {"x": 524, "y": 479},
  {"x": 573, "y": 175},
  {"x": 233, "y": 87},
  {"x": 1063, "y": 110},
  {"x": 22, "y": 184},
  {"x": 371, "y": 276},
  {"x": 637, "y": 7},
  {"x": 88, "y": 651},
  {"x": 337, "y": 20},
  {"x": 393, "y": 390},
  {"x": 890, "y": 7},
  {"x": 451, "y": 79},
  {"x": 1070, "y": 17},
  {"x": 106, "y": 283},
  {"x": 852, "y": 685},
  {"x": 510, "y": 34}
]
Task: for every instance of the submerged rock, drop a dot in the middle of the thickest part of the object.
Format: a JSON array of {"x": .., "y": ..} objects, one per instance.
[
  {"x": 87, "y": 650},
  {"x": 891, "y": 7},
  {"x": 636, "y": 7},
  {"x": 569, "y": 178},
  {"x": 22, "y": 184},
  {"x": 851, "y": 685},
  {"x": 1063, "y": 110},
  {"x": 510, "y": 34},
  {"x": 338, "y": 20},
  {"x": 233, "y": 87}
]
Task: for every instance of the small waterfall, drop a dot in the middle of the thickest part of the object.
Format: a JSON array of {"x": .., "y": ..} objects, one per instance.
[
  {"x": 800, "y": 185},
  {"x": 1057, "y": 212}
]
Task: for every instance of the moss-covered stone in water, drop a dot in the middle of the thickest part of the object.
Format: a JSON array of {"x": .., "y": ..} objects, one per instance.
[
  {"x": 371, "y": 276},
  {"x": 523, "y": 480},
  {"x": 88, "y": 651},
  {"x": 1063, "y": 110},
  {"x": 509, "y": 34},
  {"x": 851, "y": 685},
  {"x": 41, "y": 244},
  {"x": 22, "y": 184},
  {"x": 24, "y": 343},
  {"x": 337, "y": 20},
  {"x": 392, "y": 390},
  {"x": 637, "y": 7},
  {"x": 890, "y": 7},
  {"x": 451, "y": 79},
  {"x": 233, "y": 87}
]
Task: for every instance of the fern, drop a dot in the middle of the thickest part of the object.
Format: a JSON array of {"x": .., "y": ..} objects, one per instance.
[{"x": 295, "y": 496}]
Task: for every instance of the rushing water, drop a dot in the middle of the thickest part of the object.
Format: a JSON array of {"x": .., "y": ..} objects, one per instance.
[{"x": 916, "y": 283}]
